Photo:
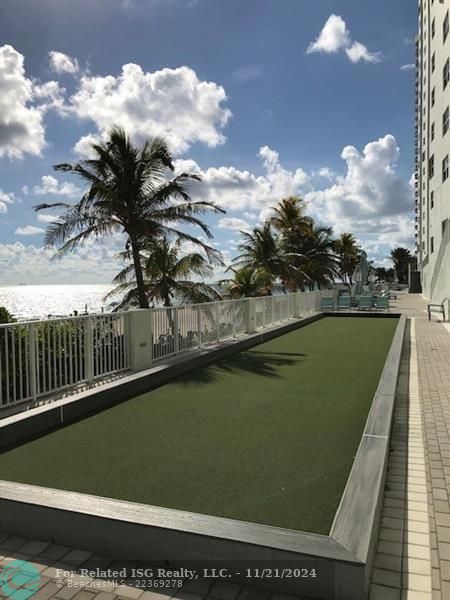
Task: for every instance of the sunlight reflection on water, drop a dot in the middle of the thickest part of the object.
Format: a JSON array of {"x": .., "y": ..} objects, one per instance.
[{"x": 40, "y": 301}]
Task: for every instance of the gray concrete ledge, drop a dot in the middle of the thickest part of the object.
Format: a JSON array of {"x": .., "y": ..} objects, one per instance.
[{"x": 357, "y": 519}]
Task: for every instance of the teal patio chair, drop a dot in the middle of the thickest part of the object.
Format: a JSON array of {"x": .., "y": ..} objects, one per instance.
[
  {"x": 344, "y": 302},
  {"x": 327, "y": 303},
  {"x": 365, "y": 302},
  {"x": 382, "y": 303}
]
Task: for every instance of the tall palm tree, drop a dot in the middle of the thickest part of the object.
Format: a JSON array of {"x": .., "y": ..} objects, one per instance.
[
  {"x": 261, "y": 249},
  {"x": 320, "y": 261},
  {"x": 167, "y": 275},
  {"x": 401, "y": 257},
  {"x": 128, "y": 191},
  {"x": 308, "y": 249},
  {"x": 248, "y": 282},
  {"x": 348, "y": 254}
]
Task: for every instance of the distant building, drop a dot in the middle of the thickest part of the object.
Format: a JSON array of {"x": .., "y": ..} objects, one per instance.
[{"x": 432, "y": 183}]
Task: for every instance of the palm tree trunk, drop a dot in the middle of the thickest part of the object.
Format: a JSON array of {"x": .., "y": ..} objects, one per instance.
[{"x": 143, "y": 300}]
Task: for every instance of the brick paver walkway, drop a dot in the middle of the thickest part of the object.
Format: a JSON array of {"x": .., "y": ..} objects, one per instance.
[{"x": 413, "y": 558}]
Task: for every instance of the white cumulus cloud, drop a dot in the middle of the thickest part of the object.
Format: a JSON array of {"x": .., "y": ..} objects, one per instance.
[
  {"x": 233, "y": 223},
  {"x": 52, "y": 96},
  {"x": 358, "y": 51},
  {"x": 20, "y": 262},
  {"x": 173, "y": 103},
  {"x": 408, "y": 67},
  {"x": 335, "y": 37},
  {"x": 370, "y": 199},
  {"x": 28, "y": 230},
  {"x": 61, "y": 63},
  {"x": 237, "y": 190},
  {"x": 50, "y": 185},
  {"x": 21, "y": 124},
  {"x": 5, "y": 199}
]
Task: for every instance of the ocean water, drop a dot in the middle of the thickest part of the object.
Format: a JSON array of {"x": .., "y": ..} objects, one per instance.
[{"x": 42, "y": 301}]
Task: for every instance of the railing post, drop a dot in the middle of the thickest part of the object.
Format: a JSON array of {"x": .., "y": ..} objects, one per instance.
[
  {"x": 151, "y": 326},
  {"x": 141, "y": 338},
  {"x": 218, "y": 321},
  {"x": 297, "y": 305},
  {"x": 199, "y": 327},
  {"x": 89, "y": 349},
  {"x": 273, "y": 310},
  {"x": 33, "y": 360},
  {"x": 233, "y": 316},
  {"x": 251, "y": 315},
  {"x": 175, "y": 330}
]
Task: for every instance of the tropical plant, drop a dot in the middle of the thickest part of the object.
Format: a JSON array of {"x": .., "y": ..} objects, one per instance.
[
  {"x": 320, "y": 261},
  {"x": 167, "y": 274},
  {"x": 307, "y": 248},
  {"x": 5, "y": 316},
  {"x": 129, "y": 191},
  {"x": 384, "y": 275},
  {"x": 348, "y": 253},
  {"x": 247, "y": 282},
  {"x": 401, "y": 257},
  {"x": 261, "y": 249}
]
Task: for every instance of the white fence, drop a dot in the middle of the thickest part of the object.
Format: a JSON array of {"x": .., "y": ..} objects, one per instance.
[{"x": 40, "y": 358}]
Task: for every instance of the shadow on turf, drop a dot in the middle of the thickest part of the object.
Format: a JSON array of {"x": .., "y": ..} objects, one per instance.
[{"x": 266, "y": 364}]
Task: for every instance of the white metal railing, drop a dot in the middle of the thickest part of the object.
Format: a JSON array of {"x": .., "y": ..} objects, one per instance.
[
  {"x": 178, "y": 328},
  {"x": 40, "y": 358}
]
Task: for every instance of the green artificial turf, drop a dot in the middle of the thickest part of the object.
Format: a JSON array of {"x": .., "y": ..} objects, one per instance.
[{"x": 267, "y": 435}]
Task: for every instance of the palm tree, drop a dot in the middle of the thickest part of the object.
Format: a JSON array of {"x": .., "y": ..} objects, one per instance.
[
  {"x": 129, "y": 192},
  {"x": 261, "y": 249},
  {"x": 308, "y": 249},
  {"x": 167, "y": 275},
  {"x": 348, "y": 254},
  {"x": 401, "y": 257},
  {"x": 248, "y": 282},
  {"x": 384, "y": 275},
  {"x": 320, "y": 261}
]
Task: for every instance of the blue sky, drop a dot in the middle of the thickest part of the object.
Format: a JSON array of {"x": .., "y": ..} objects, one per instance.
[{"x": 264, "y": 98}]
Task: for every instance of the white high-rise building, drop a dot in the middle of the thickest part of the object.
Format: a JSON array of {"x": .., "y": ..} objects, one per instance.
[{"x": 433, "y": 148}]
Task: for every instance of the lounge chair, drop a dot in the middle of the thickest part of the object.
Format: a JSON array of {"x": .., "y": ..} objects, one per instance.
[
  {"x": 365, "y": 302},
  {"x": 327, "y": 303},
  {"x": 344, "y": 302},
  {"x": 382, "y": 303}
]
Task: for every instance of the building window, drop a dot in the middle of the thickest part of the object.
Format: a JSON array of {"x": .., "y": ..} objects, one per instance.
[
  {"x": 432, "y": 245},
  {"x": 433, "y": 27},
  {"x": 446, "y": 74},
  {"x": 432, "y": 131},
  {"x": 445, "y": 169},
  {"x": 433, "y": 62},
  {"x": 432, "y": 200},
  {"x": 423, "y": 156},
  {"x": 445, "y": 121},
  {"x": 445, "y": 27},
  {"x": 433, "y": 94},
  {"x": 431, "y": 167}
]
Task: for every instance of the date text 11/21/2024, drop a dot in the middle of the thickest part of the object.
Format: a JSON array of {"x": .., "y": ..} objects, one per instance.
[{"x": 207, "y": 573}]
